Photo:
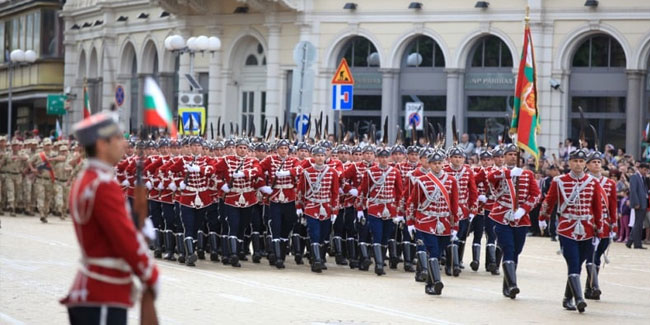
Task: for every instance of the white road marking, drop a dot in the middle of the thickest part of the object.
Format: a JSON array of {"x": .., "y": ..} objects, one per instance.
[
  {"x": 329, "y": 299},
  {"x": 236, "y": 298},
  {"x": 6, "y": 319}
]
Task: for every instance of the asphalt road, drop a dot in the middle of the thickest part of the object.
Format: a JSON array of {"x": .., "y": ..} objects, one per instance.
[{"x": 38, "y": 263}]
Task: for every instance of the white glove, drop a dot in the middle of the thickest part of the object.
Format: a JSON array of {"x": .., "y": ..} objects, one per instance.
[
  {"x": 471, "y": 216},
  {"x": 411, "y": 230},
  {"x": 160, "y": 186},
  {"x": 519, "y": 213},
  {"x": 225, "y": 188},
  {"x": 542, "y": 225},
  {"x": 353, "y": 192},
  {"x": 239, "y": 174},
  {"x": 182, "y": 185},
  {"x": 282, "y": 173},
  {"x": 125, "y": 183},
  {"x": 398, "y": 219},
  {"x": 454, "y": 235},
  {"x": 299, "y": 212},
  {"x": 360, "y": 215},
  {"x": 612, "y": 235},
  {"x": 595, "y": 241},
  {"x": 195, "y": 168},
  {"x": 333, "y": 218},
  {"x": 516, "y": 172},
  {"x": 172, "y": 186},
  {"x": 340, "y": 191},
  {"x": 148, "y": 185},
  {"x": 266, "y": 189},
  {"x": 482, "y": 198},
  {"x": 148, "y": 229}
]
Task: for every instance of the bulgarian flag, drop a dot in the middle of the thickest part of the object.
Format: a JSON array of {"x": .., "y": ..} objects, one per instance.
[
  {"x": 156, "y": 111},
  {"x": 59, "y": 133},
  {"x": 525, "y": 116},
  {"x": 86, "y": 103}
]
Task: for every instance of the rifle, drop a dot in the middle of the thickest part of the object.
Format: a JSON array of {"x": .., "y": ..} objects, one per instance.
[{"x": 140, "y": 212}]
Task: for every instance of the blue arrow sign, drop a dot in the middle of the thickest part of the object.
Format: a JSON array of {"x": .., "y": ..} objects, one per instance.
[{"x": 301, "y": 124}]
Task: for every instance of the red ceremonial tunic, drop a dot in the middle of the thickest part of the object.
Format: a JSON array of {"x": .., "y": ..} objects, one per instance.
[
  {"x": 405, "y": 167},
  {"x": 382, "y": 190},
  {"x": 353, "y": 175},
  {"x": 610, "y": 205},
  {"x": 243, "y": 190},
  {"x": 429, "y": 207},
  {"x": 318, "y": 191},
  {"x": 467, "y": 194},
  {"x": 195, "y": 194},
  {"x": 511, "y": 194},
  {"x": 112, "y": 250},
  {"x": 580, "y": 210},
  {"x": 284, "y": 187}
]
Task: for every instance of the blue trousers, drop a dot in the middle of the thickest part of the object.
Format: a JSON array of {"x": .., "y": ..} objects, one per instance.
[
  {"x": 511, "y": 240},
  {"x": 212, "y": 217},
  {"x": 363, "y": 230},
  {"x": 344, "y": 224},
  {"x": 381, "y": 230},
  {"x": 462, "y": 229},
  {"x": 431, "y": 243},
  {"x": 155, "y": 211},
  {"x": 489, "y": 228},
  {"x": 319, "y": 231},
  {"x": 283, "y": 217},
  {"x": 478, "y": 224},
  {"x": 600, "y": 250},
  {"x": 193, "y": 220},
  {"x": 238, "y": 220},
  {"x": 169, "y": 215},
  {"x": 575, "y": 253}
]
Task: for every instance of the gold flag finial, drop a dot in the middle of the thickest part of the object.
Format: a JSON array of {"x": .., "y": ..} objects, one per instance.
[{"x": 527, "y": 18}]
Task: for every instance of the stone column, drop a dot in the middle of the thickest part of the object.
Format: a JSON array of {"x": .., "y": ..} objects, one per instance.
[
  {"x": 273, "y": 97},
  {"x": 454, "y": 102},
  {"x": 215, "y": 108},
  {"x": 388, "y": 107},
  {"x": 634, "y": 114}
]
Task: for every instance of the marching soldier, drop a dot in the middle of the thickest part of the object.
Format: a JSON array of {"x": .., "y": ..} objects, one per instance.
[
  {"x": 609, "y": 224},
  {"x": 344, "y": 231},
  {"x": 29, "y": 178},
  {"x": 4, "y": 151},
  {"x": 516, "y": 193},
  {"x": 318, "y": 191},
  {"x": 299, "y": 236},
  {"x": 112, "y": 250},
  {"x": 432, "y": 209},
  {"x": 280, "y": 171},
  {"x": 381, "y": 187},
  {"x": 580, "y": 218},
  {"x": 13, "y": 164},
  {"x": 493, "y": 253},
  {"x": 482, "y": 187},
  {"x": 41, "y": 165},
  {"x": 406, "y": 168},
  {"x": 63, "y": 172}
]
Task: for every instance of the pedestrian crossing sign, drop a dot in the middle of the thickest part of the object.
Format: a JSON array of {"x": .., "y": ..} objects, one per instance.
[
  {"x": 343, "y": 76},
  {"x": 192, "y": 119}
]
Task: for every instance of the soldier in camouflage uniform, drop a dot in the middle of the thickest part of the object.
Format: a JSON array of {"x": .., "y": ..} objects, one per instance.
[
  {"x": 62, "y": 171},
  {"x": 13, "y": 164},
  {"x": 41, "y": 164},
  {"x": 29, "y": 178},
  {"x": 3, "y": 190}
]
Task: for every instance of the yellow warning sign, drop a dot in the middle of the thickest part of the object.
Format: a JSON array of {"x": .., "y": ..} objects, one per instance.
[{"x": 343, "y": 76}]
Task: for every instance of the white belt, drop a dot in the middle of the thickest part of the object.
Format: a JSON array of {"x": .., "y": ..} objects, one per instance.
[
  {"x": 571, "y": 216},
  {"x": 285, "y": 186},
  {"x": 381, "y": 201},
  {"x": 435, "y": 214},
  {"x": 319, "y": 201},
  {"x": 109, "y": 263},
  {"x": 242, "y": 190},
  {"x": 196, "y": 189}
]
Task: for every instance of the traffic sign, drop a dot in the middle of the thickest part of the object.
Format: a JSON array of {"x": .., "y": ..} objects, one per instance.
[
  {"x": 301, "y": 124},
  {"x": 414, "y": 112},
  {"x": 342, "y": 96},
  {"x": 56, "y": 104},
  {"x": 193, "y": 120},
  {"x": 343, "y": 76},
  {"x": 120, "y": 94},
  {"x": 304, "y": 52}
]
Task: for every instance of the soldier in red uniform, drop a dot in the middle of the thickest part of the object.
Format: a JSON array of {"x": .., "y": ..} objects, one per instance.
[
  {"x": 609, "y": 224},
  {"x": 344, "y": 223},
  {"x": 432, "y": 209},
  {"x": 407, "y": 244},
  {"x": 381, "y": 188},
  {"x": 478, "y": 224},
  {"x": 318, "y": 192},
  {"x": 166, "y": 187},
  {"x": 580, "y": 217},
  {"x": 112, "y": 250},
  {"x": 299, "y": 236},
  {"x": 280, "y": 170},
  {"x": 467, "y": 196},
  {"x": 515, "y": 193},
  {"x": 493, "y": 253}
]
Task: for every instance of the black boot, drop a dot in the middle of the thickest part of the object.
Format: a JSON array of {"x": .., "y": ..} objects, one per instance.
[
  {"x": 257, "y": 247},
  {"x": 461, "y": 253},
  {"x": 190, "y": 257},
  {"x": 567, "y": 302},
  {"x": 200, "y": 245},
  {"x": 214, "y": 251},
  {"x": 408, "y": 250},
  {"x": 337, "y": 243},
  {"x": 452, "y": 260},
  {"x": 323, "y": 255},
  {"x": 169, "y": 246},
  {"x": 510, "y": 279},
  {"x": 576, "y": 289},
  {"x": 476, "y": 256},
  {"x": 364, "y": 260},
  {"x": 491, "y": 258},
  {"x": 499, "y": 256},
  {"x": 225, "y": 250},
  {"x": 421, "y": 272},
  {"x": 234, "y": 244},
  {"x": 393, "y": 259},
  {"x": 351, "y": 248},
  {"x": 379, "y": 259},
  {"x": 297, "y": 248},
  {"x": 279, "y": 253},
  {"x": 317, "y": 264},
  {"x": 180, "y": 248},
  {"x": 158, "y": 244},
  {"x": 592, "y": 289},
  {"x": 270, "y": 254},
  {"x": 434, "y": 285}
]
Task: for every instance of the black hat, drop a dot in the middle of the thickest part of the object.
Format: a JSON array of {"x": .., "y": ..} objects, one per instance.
[
  {"x": 218, "y": 145},
  {"x": 102, "y": 125},
  {"x": 437, "y": 155},
  {"x": 196, "y": 140},
  {"x": 412, "y": 149},
  {"x": 398, "y": 148},
  {"x": 229, "y": 143},
  {"x": 357, "y": 149},
  {"x": 497, "y": 152},
  {"x": 383, "y": 152},
  {"x": 261, "y": 147},
  {"x": 510, "y": 147},
  {"x": 302, "y": 146},
  {"x": 485, "y": 154},
  {"x": 369, "y": 148},
  {"x": 343, "y": 148},
  {"x": 325, "y": 144},
  {"x": 282, "y": 143},
  {"x": 596, "y": 155},
  {"x": 151, "y": 144},
  {"x": 163, "y": 142},
  {"x": 425, "y": 152},
  {"x": 456, "y": 151},
  {"x": 243, "y": 142},
  {"x": 578, "y": 154},
  {"x": 141, "y": 144},
  {"x": 318, "y": 150}
]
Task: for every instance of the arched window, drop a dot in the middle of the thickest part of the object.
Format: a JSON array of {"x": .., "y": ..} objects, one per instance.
[
  {"x": 598, "y": 84},
  {"x": 423, "y": 51},
  {"x": 251, "y": 60},
  {"x": 489, "y": 89},
  {"x": 360, "y": 52}
]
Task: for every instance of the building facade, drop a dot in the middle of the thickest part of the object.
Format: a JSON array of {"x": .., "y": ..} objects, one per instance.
[
  {"x": 30, "y": 25},
  {"x": 458, "y": 60}
]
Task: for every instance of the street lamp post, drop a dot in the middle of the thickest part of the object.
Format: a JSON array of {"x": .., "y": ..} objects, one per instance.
[
  {"x": 176, "y": 44},
  {"x": 16, "y": 58}
]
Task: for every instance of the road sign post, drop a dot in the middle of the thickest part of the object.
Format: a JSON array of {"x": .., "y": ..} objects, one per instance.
[{"x": 304, "y": 55}]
